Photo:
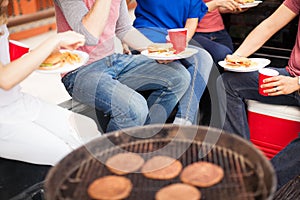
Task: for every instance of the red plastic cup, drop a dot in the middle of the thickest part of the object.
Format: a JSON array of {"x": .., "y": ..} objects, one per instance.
[
  {"x": 177, "y": 37},
  {"x": 17, "y": 49},
  {"x": 263, "y": 74}
]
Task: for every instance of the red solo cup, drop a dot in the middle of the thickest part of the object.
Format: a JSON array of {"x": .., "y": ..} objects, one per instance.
[
  {"x": 177, "y": 37},
  {"x": 17, "y": 49},
  {"x": 263, "y": 74}
]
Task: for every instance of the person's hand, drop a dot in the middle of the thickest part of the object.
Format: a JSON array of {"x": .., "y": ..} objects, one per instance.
[
  {"x": 70, "y": 40},
  {"x": 280, "y": 85},
  {"x": 236, "y": 59},
  {"x": 240, "y": 10},
  {"x": 164, "y": 61},
  {"x": 231, "y": 5},
  {"x": 126, "y": 49},
  {"x": 232, "y": 57}
]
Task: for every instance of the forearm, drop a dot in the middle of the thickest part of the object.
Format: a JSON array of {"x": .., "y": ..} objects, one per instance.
[
  {"x": 254, "y": 41},
  {"x": 211, "y": 5},
  {"x": 98, "y": 14},
  {"x": 83, "y": 20},
  {"x": 136, "y": 40},
  {"x": 16, "y": 71},
  {"x": 191, "y": 25},
  {"x": 265, "y": 30},
  {"x": 224, "y": 6}
]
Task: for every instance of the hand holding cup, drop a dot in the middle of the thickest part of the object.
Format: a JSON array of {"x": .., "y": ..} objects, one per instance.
[{"x": 265, "y": 73}]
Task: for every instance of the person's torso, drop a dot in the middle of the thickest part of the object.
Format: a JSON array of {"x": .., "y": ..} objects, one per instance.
[
  {"x": 166, "y": 13},
  {"x": 294, "y": 61},
  {"x": 105, "y": 44},
  {"x": 211, "y": 22}
]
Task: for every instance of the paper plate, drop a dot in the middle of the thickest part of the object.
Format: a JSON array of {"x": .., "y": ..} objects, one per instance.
[
  {"x": 260, "y": 63},
  {"x": 168, "y": 56},
  {"x": 84, "y": 57}
]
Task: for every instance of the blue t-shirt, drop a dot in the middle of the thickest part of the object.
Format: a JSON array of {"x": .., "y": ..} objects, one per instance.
[{"x": 159, "y": 15}]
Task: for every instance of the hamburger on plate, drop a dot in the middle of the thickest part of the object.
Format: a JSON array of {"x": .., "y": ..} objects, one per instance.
[
  {"x": 161, "y": 48},
  {"x": 238, "y": 61},
  {"x": 57, "y": 59},
  {"x": 53, "y": 61}
]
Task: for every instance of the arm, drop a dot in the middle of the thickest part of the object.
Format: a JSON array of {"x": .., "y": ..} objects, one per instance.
[
  {"x": 97, "y": 15},
  {"x": 136, "y": 40},
  {"x": 257, "y": 37},
  {"x": 16, "y": 71},
  {"x": 191, "y": 25},
  {"x": 265, "y": 30},
  {"x": 224, "y": 6},
  {"x": 83, "y": 20},
  {"x": 127, "y": 33}
]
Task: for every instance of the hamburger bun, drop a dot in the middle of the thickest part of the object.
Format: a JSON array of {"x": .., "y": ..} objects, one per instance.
[
  {"x": 238, "y": 61},
  {"x": 160, "y": 48},
  {"x": 53, "y": 61}
]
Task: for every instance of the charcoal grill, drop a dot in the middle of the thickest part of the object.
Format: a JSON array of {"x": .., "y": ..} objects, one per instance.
[{"x": 248, "y": 174}]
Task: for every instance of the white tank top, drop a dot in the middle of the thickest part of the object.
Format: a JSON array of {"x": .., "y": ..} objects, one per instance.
[
  {"x": 7, "y": 97},
  {"x": 15, "y": 106}
]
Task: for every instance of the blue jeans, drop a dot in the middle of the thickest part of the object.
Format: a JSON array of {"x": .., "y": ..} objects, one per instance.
[
  {"x": 234, "y": 89},
  {"x": 199, "y": 67},
  {"x": 110, "y": 85},
  {"x": 218, "y": 44},
  {"x": 287, "y": 163}
]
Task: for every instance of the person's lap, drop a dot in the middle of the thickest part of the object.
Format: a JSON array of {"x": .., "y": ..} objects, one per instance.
[
  {"x": 199, "y": 67},
  {"x": 44, "y": 134},
  {"x": 245, "y": 86},
  {"x": 233, "y": 91},
  {"x": 114, "y": 79},
  {"x": 31, "y": 143}
]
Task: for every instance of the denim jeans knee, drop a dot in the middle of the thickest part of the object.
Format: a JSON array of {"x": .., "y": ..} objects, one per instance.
[{"x": 199, "y": 67}]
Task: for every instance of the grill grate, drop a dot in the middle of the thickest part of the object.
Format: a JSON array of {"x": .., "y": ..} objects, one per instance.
[{"x": 241, "y": 180}]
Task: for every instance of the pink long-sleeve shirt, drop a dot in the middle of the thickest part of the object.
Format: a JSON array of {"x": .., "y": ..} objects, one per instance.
[{"x": 69, "y": 14}]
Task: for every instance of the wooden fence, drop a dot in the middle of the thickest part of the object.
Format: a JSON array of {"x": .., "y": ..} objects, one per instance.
[{"x": 30, "y": 17}]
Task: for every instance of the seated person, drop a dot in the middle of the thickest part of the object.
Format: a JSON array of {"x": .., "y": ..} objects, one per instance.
[
  {"x": 153, "y": 19},
  {"x": 211, "y": 33},
  {"x": 213, "y": 37},
  {"x": 111, "y": 82},
  {"x": 32, "y": 130},
  {"x": 235, "y": 88}
]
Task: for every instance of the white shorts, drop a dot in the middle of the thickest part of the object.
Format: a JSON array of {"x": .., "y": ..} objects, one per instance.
[{"x": 38, "y": 132}]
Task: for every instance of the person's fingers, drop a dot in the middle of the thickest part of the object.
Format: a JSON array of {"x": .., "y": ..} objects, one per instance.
[{"x": 164, "y": 61}]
